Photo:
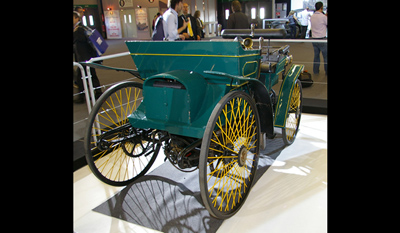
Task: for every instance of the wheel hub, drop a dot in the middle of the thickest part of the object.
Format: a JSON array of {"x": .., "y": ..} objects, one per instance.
[{"x": 242, "y": 156}]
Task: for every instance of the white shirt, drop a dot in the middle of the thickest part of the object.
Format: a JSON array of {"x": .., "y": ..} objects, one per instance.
[
  {"x": 319, "y": 22},
  {"x": 303, "y": 17},
  {"x": 170, "y": 24}
]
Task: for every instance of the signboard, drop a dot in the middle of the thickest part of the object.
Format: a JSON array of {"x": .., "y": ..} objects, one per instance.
[
  {"x": 113, "y": 24},
  {"x": 125, "y": 3},
  {"x": 141, "y": 19}
]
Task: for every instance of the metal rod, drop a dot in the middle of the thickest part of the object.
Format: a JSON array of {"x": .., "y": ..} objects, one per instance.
[
  {"x": 94, "y": 59},
  {"x": 85, "y": 87}
]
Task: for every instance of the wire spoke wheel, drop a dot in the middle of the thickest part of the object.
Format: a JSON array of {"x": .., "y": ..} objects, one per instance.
[
  {"x": 229, "y": 154},
  {"x": 116, "y": 152},
  {"x": 294, "y": 114}
]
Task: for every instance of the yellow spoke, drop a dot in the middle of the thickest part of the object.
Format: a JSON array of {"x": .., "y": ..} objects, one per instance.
[
  {"x": 109, "y": 117},
  {"x": 224, "y": 147}
]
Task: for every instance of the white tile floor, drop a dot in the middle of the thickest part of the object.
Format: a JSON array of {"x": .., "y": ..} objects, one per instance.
[{"x": 291, "y": 196}]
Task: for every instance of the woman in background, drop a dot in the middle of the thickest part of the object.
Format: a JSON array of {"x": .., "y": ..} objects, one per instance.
[
  {"x": 292, "y": 24},
  {"x": 200, "y": 25}
]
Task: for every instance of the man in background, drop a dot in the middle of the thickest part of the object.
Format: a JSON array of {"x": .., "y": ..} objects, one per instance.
[
  {"x": 319, "y": 23},
  {"x": 190, "y": 32},
  {"x": 170, "y": 23},
  {"x": 303, "y": 18},
  {"x": 238, "y": 20},
  {"x": 83, "y": 51}
]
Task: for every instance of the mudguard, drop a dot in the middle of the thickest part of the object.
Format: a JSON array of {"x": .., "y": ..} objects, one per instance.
[
  {"x": 264, "y": 107},
  {"x": 282, "y": 105},
  {"x": 261, "y": 96}
]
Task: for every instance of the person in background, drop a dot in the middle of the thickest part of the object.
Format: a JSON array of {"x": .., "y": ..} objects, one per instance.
[
  {"x": 155, "y": 19},
  {"x": 80, "y": 10},
  {"x": 319, "y": 23},
  {"x": 170, "y": 21},
  {"x": 200, "y": 25},
  {"x": 292, "y": 24},
  {"x": 238, "y": 20},
  {"x": 77, "y": 73},
  {"x": 303, "y": 18},
  {"x": 190, "y": 32},
  {"x": 83, "y": 52}
]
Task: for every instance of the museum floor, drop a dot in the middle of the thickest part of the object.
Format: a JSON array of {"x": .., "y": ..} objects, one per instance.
[{"x": 291, "y": 196}]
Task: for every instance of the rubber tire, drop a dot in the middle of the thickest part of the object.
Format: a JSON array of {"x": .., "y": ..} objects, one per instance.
[
  {"x": 236, "y": 167},
  {"x": 88, "y": 137},
  {"x": 289, "y": 139}
]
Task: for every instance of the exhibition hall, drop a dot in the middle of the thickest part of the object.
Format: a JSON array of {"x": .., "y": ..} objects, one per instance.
[{"x": 200, "y": 116}]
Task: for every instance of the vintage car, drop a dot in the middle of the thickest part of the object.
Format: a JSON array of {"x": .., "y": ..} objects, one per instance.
[{"x": 208, "y": 104}]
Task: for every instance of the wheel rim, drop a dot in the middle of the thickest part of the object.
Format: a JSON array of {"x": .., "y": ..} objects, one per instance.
[
  {"x": 230, "y": 157},
  {"x": 114, "y": 160},
  {"x": 294, "y": 114}
]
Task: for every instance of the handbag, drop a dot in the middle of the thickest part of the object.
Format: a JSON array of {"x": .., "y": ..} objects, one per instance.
[
  {"x": 95, "y": 40},
  {"x": 100, "y": 45},
  {"x": 305, "y": 79}
]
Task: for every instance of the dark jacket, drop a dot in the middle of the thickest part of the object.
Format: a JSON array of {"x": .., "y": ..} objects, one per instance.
[
  {"x": 82, "y": 49},
  {"x": 192, "y": 22},
  {"x": 238, "y": 20}
]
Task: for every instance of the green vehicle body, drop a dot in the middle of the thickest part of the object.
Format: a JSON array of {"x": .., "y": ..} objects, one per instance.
[{"x": 184, "y": 80}]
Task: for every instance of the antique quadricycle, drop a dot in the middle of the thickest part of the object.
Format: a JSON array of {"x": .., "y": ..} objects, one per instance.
[{"x": 209, "y": 104}]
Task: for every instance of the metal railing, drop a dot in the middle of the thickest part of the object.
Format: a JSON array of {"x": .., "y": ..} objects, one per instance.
[
  {"x": 85, "y": 85},
  {"x": 87, "y": 79},
  {"x": 89, "y": 90}
]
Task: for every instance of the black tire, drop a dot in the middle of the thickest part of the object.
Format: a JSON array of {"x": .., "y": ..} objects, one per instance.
[
  {"x": 289, "y": 132},
  {"x": 229, "y": 154},
  {"x": 116, "y": 152}
]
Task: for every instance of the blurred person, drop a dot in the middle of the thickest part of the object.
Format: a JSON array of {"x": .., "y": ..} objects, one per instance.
[
  {"x": 238, "y": 20},
  {"x": 170, "y": 21},
  {"x": 200, "y": 24},
  {"x": 155, "y": 19},
  {"x": 77, "y": 73},
  {"x": 190, "y": 32},
  {"x": 83, "y": 52},
  {"x": 303, "y": 19},
  {"x": 292, "y": 24},
  {"x": 319, "y": 23},
  {"x": 80, "y": 10}
]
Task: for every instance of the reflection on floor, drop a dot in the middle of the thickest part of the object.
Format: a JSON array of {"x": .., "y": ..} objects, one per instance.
[{"x": 291, "y": 196}]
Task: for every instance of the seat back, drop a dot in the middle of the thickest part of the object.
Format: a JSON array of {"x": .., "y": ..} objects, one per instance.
[
  {"x": 155, "y": 57},
  {"x": 254, "y": 33}
]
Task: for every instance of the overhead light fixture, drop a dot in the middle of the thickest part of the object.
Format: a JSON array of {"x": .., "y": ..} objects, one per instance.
[{"x": 253, "y": 13}]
